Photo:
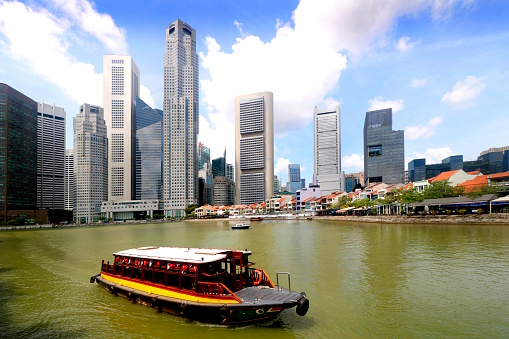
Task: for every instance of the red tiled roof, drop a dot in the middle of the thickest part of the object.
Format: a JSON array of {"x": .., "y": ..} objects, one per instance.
[
  {"x": 501, "y": 175},
  {"x": 444, "y": 176},
  {"x": 474, "y": 172},
  {"x": 480, "y": 180}
]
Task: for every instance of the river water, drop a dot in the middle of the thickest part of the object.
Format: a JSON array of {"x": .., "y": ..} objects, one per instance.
[{"x": 362, "y": 280}]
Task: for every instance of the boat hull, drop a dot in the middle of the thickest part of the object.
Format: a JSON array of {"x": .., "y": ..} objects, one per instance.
[{"x": 216, "y": 313}]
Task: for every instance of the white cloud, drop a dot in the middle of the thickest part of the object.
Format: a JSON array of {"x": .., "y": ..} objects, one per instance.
[
  {"x": 99, "y": 25},
  {"x": 418, "y": 82},
  {"x": 434, "y": 155},
  {"x": 403, "y": 44},
  {"x": 464, "y": 92},
  {"x": 379, "y": 103},
  {"x": 353, "y": 161},
  {"x": 146, "y": 96},
  {"x": 425, "y": 131},
  {"x": 281, "y": 167}
]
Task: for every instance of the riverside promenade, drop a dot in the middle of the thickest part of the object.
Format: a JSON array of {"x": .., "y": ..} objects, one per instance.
[{"x": 490, "y": 219}]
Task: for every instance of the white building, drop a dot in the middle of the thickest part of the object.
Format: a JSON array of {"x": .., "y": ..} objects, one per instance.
[
  {"x": 69, "y": 187},
  {"x": 50, "y": 156},
  {"x": 90, "y": 163},
  {"x": 126, "y": 210},
  {"x": 180, "y": 120},
  {"x": 254, "y": 148},
  {"x": 327, "y": 150},
  {"x": 121, "y": 86}
]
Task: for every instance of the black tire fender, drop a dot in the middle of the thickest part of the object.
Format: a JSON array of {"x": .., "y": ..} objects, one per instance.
[
  {"x": 183, "y": 308},
  {"x": 129, "y": 296},
  {"x": 302, "y": 306},
  {"x": 92, "y": 279},
  {"x": 153, "y": 302},
  {"x": 224, "y": 311}
]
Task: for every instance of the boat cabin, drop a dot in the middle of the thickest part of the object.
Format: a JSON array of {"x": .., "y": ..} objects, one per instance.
[{"x": 197, "y": 270}]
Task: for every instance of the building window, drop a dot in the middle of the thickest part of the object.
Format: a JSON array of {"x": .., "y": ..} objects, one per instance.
[{"x": 374, "y": 151}]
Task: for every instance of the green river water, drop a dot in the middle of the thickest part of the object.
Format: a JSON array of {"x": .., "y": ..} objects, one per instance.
[{"x": 362, "y": 280}]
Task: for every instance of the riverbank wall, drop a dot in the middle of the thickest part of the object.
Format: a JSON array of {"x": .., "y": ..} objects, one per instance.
[{"x": 490, "y": 219}]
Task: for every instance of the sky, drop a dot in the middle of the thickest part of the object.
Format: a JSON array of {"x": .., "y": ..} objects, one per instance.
[{"x": 441, "y": 65}]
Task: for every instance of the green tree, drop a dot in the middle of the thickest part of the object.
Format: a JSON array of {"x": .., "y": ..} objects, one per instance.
[
  {"x": 190, "y": 209},
  {"x": 442, "y": 189},
  {"x": 482, "y": 190}
]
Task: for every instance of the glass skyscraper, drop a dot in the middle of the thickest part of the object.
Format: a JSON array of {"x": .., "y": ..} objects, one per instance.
[
  {"x": 149, "y": 129},
  {"x": 384, "y": 149},
  {"x": 18, "y": 151},
  {"x": 180, "y": 120},
  {"x": 294, "y": 178}
]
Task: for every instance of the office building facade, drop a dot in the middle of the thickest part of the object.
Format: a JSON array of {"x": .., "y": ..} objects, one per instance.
[
  {"x": 18, "y": 147},
  {"x": 180, "y": 120},
  {"x": 50, "y": 156},
  {"x": 121, "y": 87},
  {"x": 149, "y": 132},
  {"x": 327, "y": 149},
  {"x": 353, "y": 181},
  {"x": 223, "y": 191},
  {"x": 294, "y": 178},
  {"x": 254, "y": 148},
  {"x": 219, "y": 166},
  {"x": 203, "y": 155},
  {"x": 90, "y": 163},
  {"x": 384, "y": 149},
  {"x": 230, "y": 172},
  {"x": 69, "y": 187}
]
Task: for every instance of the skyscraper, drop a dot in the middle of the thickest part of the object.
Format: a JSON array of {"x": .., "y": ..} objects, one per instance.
[
  {"x": 180, "y": 120},
  {"x": 219, "y": 166},
  {"x": 121, "y": 87},
  {"x": 384, "y": 149},
  {"x": 18, "y": 151},
  {"x": 90, "y": 163},
  {"x": 254, "y": 148},
  {"x": 294, "y": 177},
  {"x": 149, "y": 131},
  {"x": 327, "y": 146},
  {"x": 69, "y": 187},
  {"x": 230, "y": 172},
  {"x": 50, "y": 156},
  {"x": 203, "y": 155}
]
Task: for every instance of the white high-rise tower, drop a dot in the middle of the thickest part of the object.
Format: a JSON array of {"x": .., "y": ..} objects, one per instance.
[
  {"x": 327, "y": 142},
  {"x": 180, "y": 120},
  {"x": 121, "y": 86}
]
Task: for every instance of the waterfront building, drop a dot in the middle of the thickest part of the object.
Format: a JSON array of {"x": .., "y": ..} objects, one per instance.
[
  {"x": 219, "y": 166},
  {"x": 254, "y": 148},
  {"x": 417, "y": 170},
  {"x": 69, "y": 187},
  {"x": 230, "y": 172},
  {"x": 180, "y": 120},
  {"x": 149, "y": 131},
  {"x": 130, "y": 210},
  {"x": 495, "y": 158},
  {"x": 353, "y": 181},
  {"x": 294, "y": 177},
  {"x": 223, "y": 191},
  {"x": 203, "y": 155},
  {"x": 50, "y": 156},
  {"x": 327, "y": 149},
  {"x": 121, "y": 87},
  {"x": 18, "y": 151},
  {"x": 313, "y": 191},
  {"x": 90, "y": 163},
  {"x": 384, "y": 149}
]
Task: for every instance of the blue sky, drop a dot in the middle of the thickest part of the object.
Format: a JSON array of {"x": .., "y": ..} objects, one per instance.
[{"x": 442, "y": 65}]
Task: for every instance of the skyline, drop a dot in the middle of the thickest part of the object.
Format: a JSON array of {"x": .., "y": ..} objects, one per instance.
[{"x": 436, "y": 64}]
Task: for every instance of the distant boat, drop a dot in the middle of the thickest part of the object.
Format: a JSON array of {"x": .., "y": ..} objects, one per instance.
[
  {"x": 256, "y": 218},
  {"x": 240, "y": 227}
]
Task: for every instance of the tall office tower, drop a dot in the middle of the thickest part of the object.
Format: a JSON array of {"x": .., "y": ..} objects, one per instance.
[
  {"x": 149, "y": 131},
  {"x": 69, "y": 187},
  {"x": 180, "y": 120},
  {"x": 384, "y": 149},
  {"x": 50, "y": 156},
  {"x": 219, "y": 166},
  {"x": 327, "y": 145},
  {"x": 18, "y": 151},
  {"x": 203, "y": 155},
  {"x": 254, "y": 147},
  {"x": 294, "y": 177},
  {"x": 223, "y": 191},
  {"x": 206, "y": 186},
  {"x": 302, "y": 183},
  {"x": 121, "y": 87},
  {"x": 90, "y": 163},
  {"x": 230, "y": 172}
]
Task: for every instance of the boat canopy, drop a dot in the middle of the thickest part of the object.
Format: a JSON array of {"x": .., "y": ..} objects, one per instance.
[{"x": 179, "y": 254}]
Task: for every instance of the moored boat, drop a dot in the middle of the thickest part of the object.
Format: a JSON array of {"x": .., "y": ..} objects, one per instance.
[
  {"x": 256, "y": 218},
  {"x": 241, "y": 226},
  {"x": 209, "y": 285}
]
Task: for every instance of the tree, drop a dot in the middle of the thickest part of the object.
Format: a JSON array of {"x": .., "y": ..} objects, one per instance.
[
  {"x": 190, "y": 209},
  {"x": 481, "y": 190}
]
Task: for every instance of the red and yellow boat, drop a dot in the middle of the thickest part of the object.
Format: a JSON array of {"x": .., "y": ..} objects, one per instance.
[{"x": 209, "y": 285}]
